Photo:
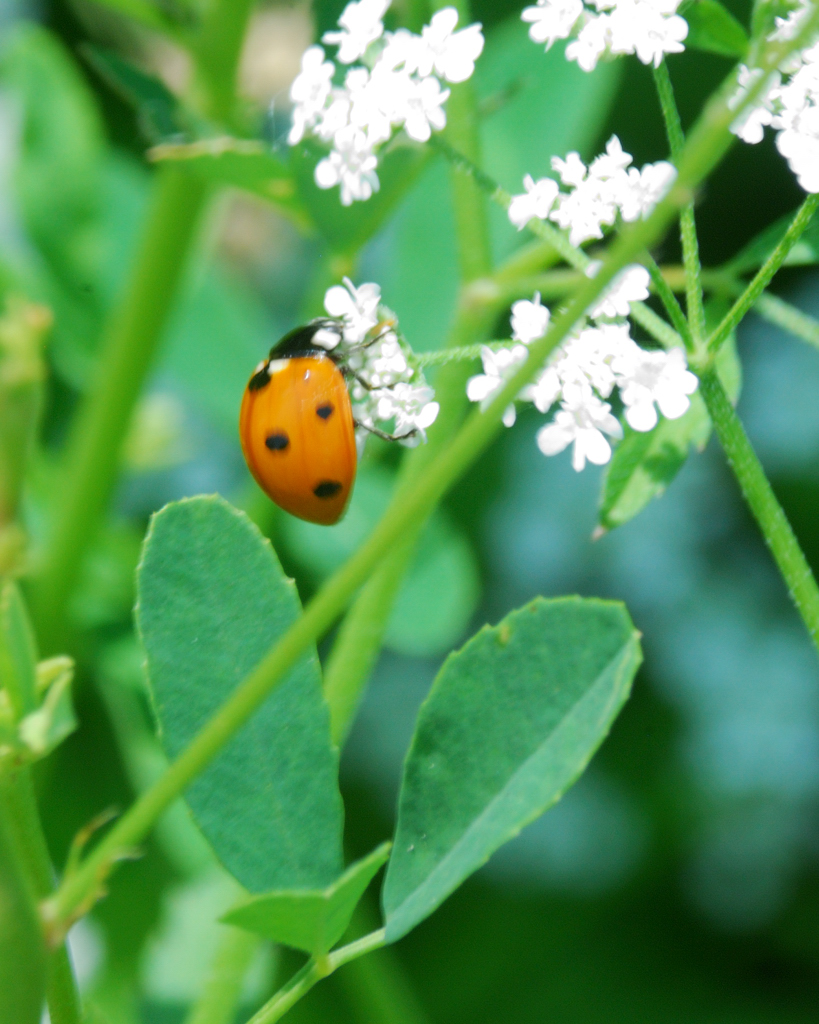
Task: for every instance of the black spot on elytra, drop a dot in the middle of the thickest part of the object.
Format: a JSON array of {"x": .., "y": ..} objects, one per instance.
[
  {"x": 327, "y": 489},
  {"x": 325, "y": 411},
  {"x": 277, "y": 442}
]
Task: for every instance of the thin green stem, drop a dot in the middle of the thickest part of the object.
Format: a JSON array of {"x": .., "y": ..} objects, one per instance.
[
  {"x": 789, "y": 318},
  {"x": 767, "y": 511},
  {"x": 220, "y": 995},
  {"x": 312, "y": 972},
  {"x": 413, "y": 501},
  {"x": 19, "y": 800},
  {"x": 361, "y": 635},
  {"x": 93, "y": 453},
  {"x": 688, "y": 227},
  {"x": 668, "y": 299},
  {"x": 765, "y": 274}
]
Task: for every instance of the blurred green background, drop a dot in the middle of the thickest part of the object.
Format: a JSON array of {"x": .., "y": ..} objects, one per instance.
[{"x": 679, "y": 880}]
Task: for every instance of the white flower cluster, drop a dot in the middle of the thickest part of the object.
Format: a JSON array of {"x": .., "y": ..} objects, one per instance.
[
  {"x": 583, "y": 372},
  {"x": 790, "y": 106},
  {"x": 649, "y": 28},
  {"x": 397, "y": 86},
  {"x": 385, "y": 387},
  {"x": 597, "y": 194}
]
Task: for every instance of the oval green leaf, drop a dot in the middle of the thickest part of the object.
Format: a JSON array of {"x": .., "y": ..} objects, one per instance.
[
  {"x": 212, "y": 599},
  {"x": 315, "y": 920},
  {"x": 511, "y": 721},
  {"x": 713, "y": 28}
]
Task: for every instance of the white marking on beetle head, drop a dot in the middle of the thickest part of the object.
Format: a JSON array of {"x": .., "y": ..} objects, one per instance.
[{"x": 276, "y": 366}]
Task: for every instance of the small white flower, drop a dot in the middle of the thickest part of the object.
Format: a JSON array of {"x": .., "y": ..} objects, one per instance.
[
  {"x": 361, "y": 25},
  {"x": 529, "y": 320},
  {"x": 309, "y": 92},
  {"x": 357, "y": 307},
  {"x": 498, "y": 367},
  {"x": 649, "y": 28},
  {"x": 657, "y": 377},
  {"x": 536, "y": 201},
  {"x": 351, "y": 165},
  {"x": 424, "y": 109},
  {"x": 552, "y": 20},
  {"x": 592, "y": 42},
  {"x": 414, "y": 411},
  {"x": 641, "y": 190},
  {"x": 750, "y": 125},
  {"x": 582, "y": 420},
  {"x": 630, "y": 285},
  {"x": 450, "y": 54}
]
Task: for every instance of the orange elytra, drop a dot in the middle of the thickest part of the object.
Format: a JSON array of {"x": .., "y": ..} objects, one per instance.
[{"x": 297, "y": 431}]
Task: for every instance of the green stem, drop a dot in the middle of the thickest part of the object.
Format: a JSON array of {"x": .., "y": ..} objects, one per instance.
[
  {"x": 767, "y": 511},
  {"x": 218, "y": 50},
  {"x": 219, "y": 999},
  {"x": 688, "y": 227},
  {"x": 361, "y": 635},
  {"x": 789, "y": 318},
  {"x": 765, "y": 274},
  {"x": 93, "y": 452},
  {"x": 412, "y": 502},
  {"x": 19, "y": 800},
  {"x": 669, "y": 300},
  {"x": 312, "y": 972}
]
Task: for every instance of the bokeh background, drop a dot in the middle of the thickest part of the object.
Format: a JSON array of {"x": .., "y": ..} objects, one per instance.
[{"x": 679, "y": 880}]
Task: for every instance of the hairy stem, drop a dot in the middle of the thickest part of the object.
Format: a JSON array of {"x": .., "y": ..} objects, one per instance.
[
  {"x": 688, "y": 227},
  {"x": 765, "y": 274},
  {"x": 767, "y": 511},
  {"x": 413, "y": 501},
  {"x": 93, "y": 452}
]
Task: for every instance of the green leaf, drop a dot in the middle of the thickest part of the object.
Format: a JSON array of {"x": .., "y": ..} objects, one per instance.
[
  {"x": 18, "y": 652},
  {"x": 645, "y": 463},
  {"x": 441, "y": 589},
  {"x": 347, "y": 228},
  {"x": 212, "y": 599},
  {"x": 22, "y": 950},
  {"x": 713, "y": 28},
  {"x": 159, "y": 112},
  {"x": 146, "y": 13},
  {"x": 315, "y": 920},
  {"x": 511, "y": 721},
  {"x": 242, "y": 163},
  {"x": 754, "y": 254}
]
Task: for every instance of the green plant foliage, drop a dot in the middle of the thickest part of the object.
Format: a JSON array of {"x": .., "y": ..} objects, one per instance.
[
  {"x": 212, "y": 599},
  {"x": 158, "y": 110},
  {"x": 754, "y": 254},
  {"x": 535, "y": 105},
  {"x": 146, "y": 13},
  {"x": 22, "y": 950},
  {"x": 644, "y": 464},
  {"x": 511, "y": 721},
  {"x": 312, "y": 921},
  {"x": 712, "y": 27},
  {"x": 244, "y": 164},
  {"x": 347, "y": 228},
  {"x": 440, "y": 592},
  {"x": 18, "y": 651}
]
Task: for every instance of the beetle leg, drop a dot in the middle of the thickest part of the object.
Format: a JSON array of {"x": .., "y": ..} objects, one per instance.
[{"x": 383, "y": 434}]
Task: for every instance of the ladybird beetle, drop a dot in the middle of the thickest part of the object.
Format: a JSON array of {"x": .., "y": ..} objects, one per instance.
[{"x": 297, "y": 430}]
